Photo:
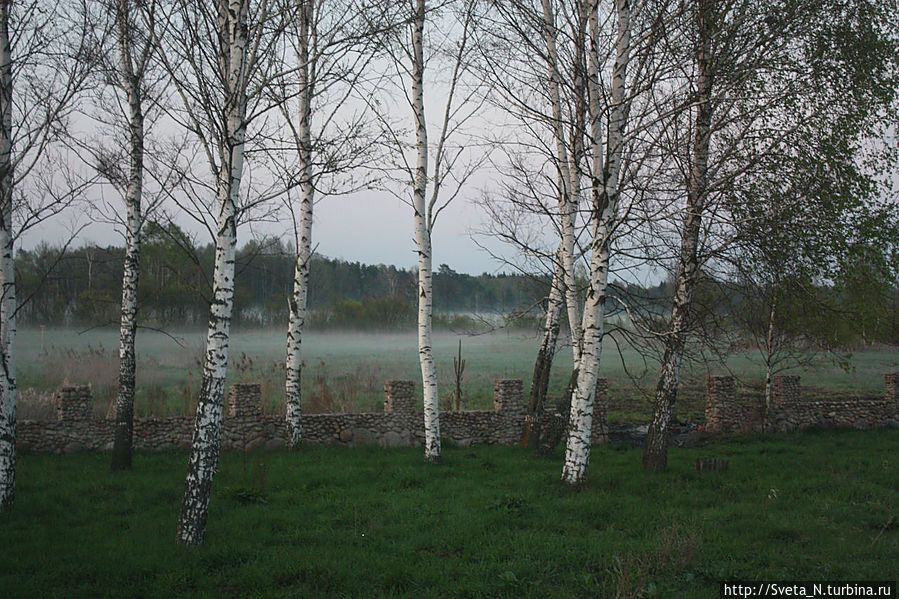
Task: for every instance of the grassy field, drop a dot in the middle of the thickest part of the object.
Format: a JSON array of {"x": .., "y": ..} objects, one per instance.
[
  {"x": 490, "y": 521},
  {"x": 346, "y": 371}
]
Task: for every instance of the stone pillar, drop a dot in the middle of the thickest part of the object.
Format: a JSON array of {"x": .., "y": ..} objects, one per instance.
[
  {"x": 507, "y": 397},
  {"x": 245, "y": 401},
  {"x": 74, "y": 402},
  {"x": 892, "y": 386},
  {"x": 399, "y": 397},
  {"x": 508, "y": 405},
  {"x": 721, "y": 412},
  {"x": 399, "y": 402},
  {"x": 600, "y": 428},
  {"x": 785, "y": 389}
]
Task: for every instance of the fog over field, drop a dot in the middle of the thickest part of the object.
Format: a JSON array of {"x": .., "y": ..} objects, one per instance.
[{"x": 346, "y": 371}]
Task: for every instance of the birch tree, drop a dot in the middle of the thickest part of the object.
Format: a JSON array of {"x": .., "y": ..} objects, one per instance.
[
  {"x": 568, "y": 162},
  {"x": 519, "y": 215},
  {"x": 334, "y": 44},
  {"x": 124, "y": 71},
  {"x": 791, "y": 300},
  {"x": 544, "y": 361},
  {"x": 297, "y": 302},
  {"x": 535, "y": 57},
  {"x": 423, "y": 240},
  {"x": 217, "y": 58},
  {"x": 128, "y": 92},
  {"x": 565, "y": 118},
  {"x": 8, "y": 388},
  {"x": 435, "y": 180},
  {"x": 605, "y": 187},
  {"x": 761, "y": 85},
  {"x": 43, "y": 66},
  {"x": 655, "y": 457},
  {"x": 587, "y": 121}
]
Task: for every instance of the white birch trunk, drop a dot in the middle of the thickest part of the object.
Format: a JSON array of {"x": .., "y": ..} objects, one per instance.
[
  {"x": 567, "y": 182},
  {"x": 297, "y": 301},
  {"x": 124, "y": 406},
  {"x": 568, "y": 210},
  {"x": 208, "y": 425},
  {"x": 655, "y": 455},
  {"x": 8, "y": 391},
  {"x": 576, "y": 141},
  {"x": 423, "y": 240},
  {"x": 605, "y": 194},
  {"x": 769, "y": 358}
]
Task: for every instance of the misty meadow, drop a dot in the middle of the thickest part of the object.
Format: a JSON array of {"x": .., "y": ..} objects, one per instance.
[{"x": 245, "y": 349}]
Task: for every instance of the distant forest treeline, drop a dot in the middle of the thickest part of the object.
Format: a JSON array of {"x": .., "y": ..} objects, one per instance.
[{"x": 82, "y": 286}]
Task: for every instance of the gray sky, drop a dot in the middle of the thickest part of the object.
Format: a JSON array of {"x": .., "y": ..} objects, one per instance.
[
  {"x": 376, "y": 228},
  {"x": 368, "y": 227}
]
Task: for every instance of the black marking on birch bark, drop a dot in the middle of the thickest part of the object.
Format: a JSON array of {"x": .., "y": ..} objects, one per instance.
[
  {"x": 124, "y": 414},
  {"x": 202, "y": 464},
  {"x": 8, "y": 475}
]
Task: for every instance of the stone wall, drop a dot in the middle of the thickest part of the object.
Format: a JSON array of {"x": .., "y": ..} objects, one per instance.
[
  {"x": 245, "y": 401},
  {"x": 891, "y": 386},
  {"x": 74, "y": 403},
  {"x": 789, "y": 412},
  {"x": 554, "y": 424},
  {"x": 601, "y": 412},
  {"x": 786, "y": 389},
  {"x": 244, "y": 425},
  {"x": 722, "y": 412},
  {"x": 401, "y": 424}
]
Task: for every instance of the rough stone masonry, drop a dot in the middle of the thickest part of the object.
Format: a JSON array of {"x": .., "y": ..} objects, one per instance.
[
  {"x": 246, "y": 427},
  {"x": 401, "y": 424},
  {"x": 789, "y": 412}
]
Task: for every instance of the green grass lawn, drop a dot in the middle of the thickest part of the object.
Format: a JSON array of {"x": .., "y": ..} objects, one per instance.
[
  {"x": 489, "y": 521},
  {"x": 345, "y": 372}
]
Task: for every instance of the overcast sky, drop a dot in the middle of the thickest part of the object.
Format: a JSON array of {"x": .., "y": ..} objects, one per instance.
[
  {"x": 377, "y": 228},
  {"x": 368, "y": 227}
]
